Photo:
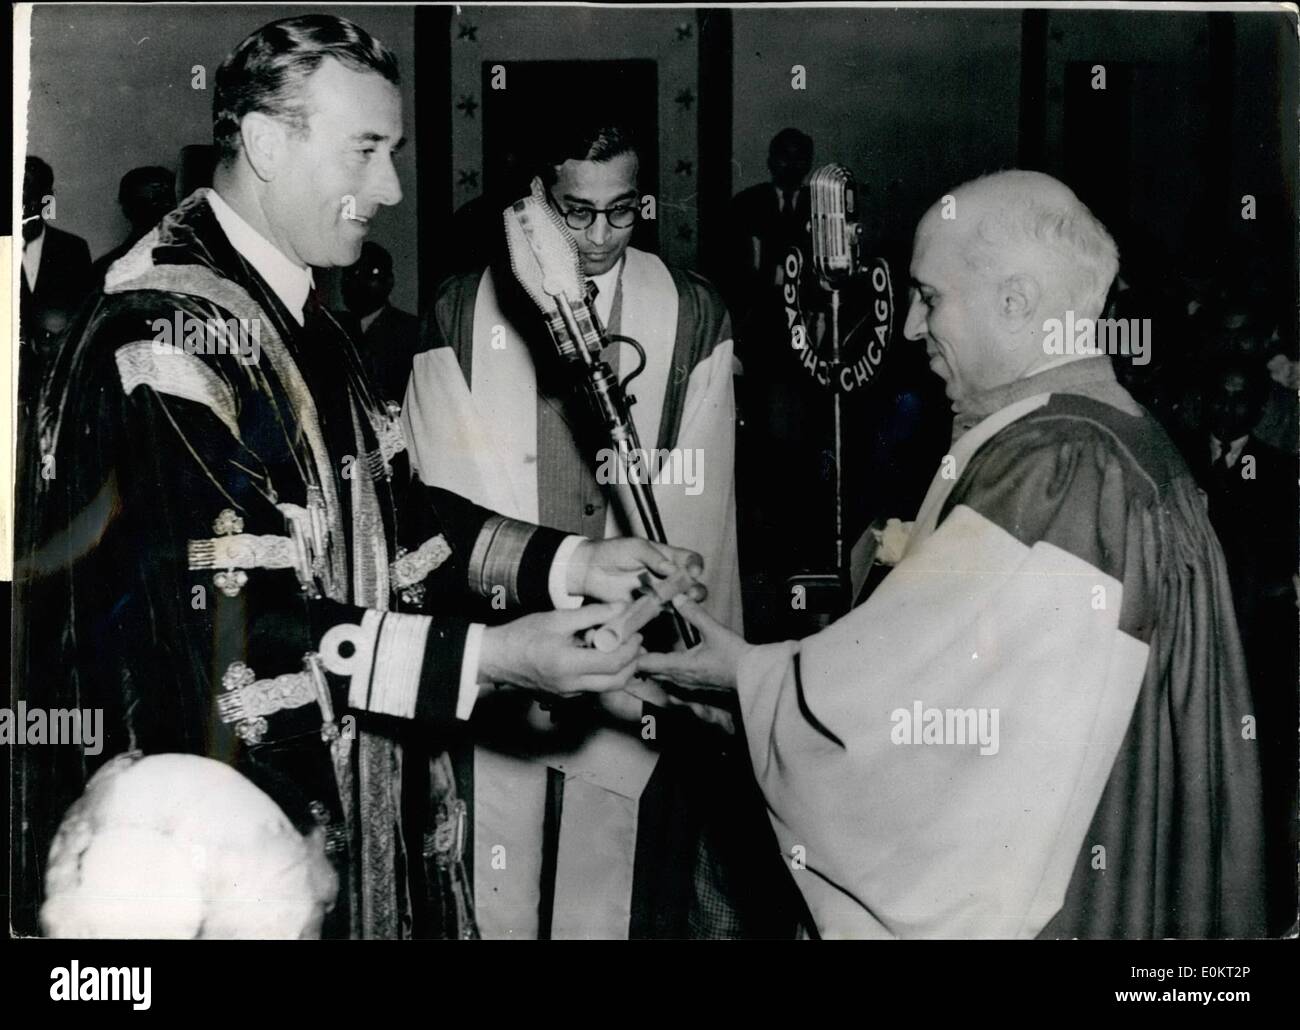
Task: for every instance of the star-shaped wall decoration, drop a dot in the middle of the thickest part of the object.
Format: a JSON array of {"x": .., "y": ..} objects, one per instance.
[
  {"x": 684, "y": 31},
  {"x": 467, "y": 104},
  {"x": 468, "y": 31},
  {"x": 685, "y": 167},
  {"x": 685, "y": 98},
  {"x": 468, "y": 179}
]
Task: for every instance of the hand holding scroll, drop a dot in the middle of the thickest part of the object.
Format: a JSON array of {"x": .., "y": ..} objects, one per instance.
[
  {"x": 610, "y": 570},
  {"x": 713, "y": 664},
  {"x": 545, "y": 653}
]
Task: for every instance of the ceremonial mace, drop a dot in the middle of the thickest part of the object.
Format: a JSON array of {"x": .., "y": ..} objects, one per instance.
[{"x": 544, "y": 258}]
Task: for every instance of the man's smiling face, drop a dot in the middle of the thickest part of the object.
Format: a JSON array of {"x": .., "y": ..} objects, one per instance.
[
  {"x": 600, "y": 185},
  {"x": 332, "y": 181},
  {"x": 953, "y": 311}
]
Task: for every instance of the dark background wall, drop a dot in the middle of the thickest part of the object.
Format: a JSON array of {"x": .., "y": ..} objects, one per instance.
[
  {"x": 912, "y": 101},
  {"x": 1200, "y": 111}
]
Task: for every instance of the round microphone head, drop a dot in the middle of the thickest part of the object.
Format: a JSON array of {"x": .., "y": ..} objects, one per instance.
[{"x": 834, "y": 225}]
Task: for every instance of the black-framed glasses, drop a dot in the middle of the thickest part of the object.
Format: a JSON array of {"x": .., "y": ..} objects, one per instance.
[{"x": 620, "y": 216}]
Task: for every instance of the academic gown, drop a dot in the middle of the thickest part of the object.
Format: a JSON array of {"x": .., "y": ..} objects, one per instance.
[
  {"x": 1063, "y": 579},
  {"x": 228, "y": 555},
  {"x": 493, "y": 413}
]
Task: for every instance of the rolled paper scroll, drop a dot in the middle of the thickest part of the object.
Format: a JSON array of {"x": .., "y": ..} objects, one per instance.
[{"x": 654, "y": 596}]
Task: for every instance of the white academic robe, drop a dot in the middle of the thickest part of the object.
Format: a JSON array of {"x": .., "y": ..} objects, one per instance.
[
  {"x": 482, "y": 443},
  {"x": 890, "y": 833}
]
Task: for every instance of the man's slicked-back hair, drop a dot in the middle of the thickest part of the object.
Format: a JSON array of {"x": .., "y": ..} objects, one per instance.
[
  {"x": 268, "y": 71},
  {"x": 591, "y": 141}
]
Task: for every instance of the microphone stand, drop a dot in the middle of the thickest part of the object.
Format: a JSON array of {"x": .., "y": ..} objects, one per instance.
[
  {"x": 835, "y": 260},
  {"x": 613, "y": 406},
  {"x": 839, "y": 441}
]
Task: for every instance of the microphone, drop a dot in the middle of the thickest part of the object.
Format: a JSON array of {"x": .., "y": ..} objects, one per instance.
[{"x": 836, "y": 232}]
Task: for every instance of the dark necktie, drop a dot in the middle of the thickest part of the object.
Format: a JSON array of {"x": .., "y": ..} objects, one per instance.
[
  {"x": 1219, "y": 469},
  {"x": 311, "y": 308},
  {"x": 790, "y": 206}
]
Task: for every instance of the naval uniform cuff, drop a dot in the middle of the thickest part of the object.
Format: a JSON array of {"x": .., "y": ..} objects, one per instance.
[
  {"x": 560, "y": 597},
  {"x": 468, "y": 692}
]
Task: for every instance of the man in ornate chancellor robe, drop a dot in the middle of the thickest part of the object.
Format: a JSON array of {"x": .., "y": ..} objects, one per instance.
[
  {"x": 221, "y": 544},
  {"x": 1040, "y": 723}
]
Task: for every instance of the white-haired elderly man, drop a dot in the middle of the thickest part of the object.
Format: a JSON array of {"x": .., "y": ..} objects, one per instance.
[{"x": 1040, "y": 723}]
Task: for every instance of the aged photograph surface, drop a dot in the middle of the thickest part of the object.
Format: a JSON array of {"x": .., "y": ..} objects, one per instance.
[{"x": 552, "y": 472}]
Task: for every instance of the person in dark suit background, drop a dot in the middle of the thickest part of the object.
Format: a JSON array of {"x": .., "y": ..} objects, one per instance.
[
  {"x": 1251, "y": 491},
  {"x": 1250, "y": 487},
  {"x": 768, "y": 217},
  {"x": 388, "y": 337},
  {"x": 783, "y": 418},
  {"x": 54, "y": 280},
  {"x": 145, "y": 196}
]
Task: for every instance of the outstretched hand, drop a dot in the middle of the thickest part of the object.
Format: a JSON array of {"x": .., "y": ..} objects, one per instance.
[
  {"x": 713, "y": 664},
  {"x": 544, "y": 652},
  {"x": 627, "y": 704}
]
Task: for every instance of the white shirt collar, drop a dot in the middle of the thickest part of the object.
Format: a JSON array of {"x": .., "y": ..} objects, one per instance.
[
  {"x": 290, "y": 283},
  {"x": 32, "y": 258},
  {"x": 1234, "y": 449},
  {"x": 606, "y": 287},
  {"x": 780, "y": 196}
]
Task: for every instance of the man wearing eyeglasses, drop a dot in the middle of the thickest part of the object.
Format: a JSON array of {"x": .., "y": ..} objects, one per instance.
[{"x": 492, "y": 410}]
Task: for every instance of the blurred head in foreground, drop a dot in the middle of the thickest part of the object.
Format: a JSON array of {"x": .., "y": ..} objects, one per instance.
[{"x": 178, "y": 846}]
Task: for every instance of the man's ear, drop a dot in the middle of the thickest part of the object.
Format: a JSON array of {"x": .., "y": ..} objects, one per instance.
[
  {"x": 263, "y": 139},
  {"x": 1018, "y": 297}
]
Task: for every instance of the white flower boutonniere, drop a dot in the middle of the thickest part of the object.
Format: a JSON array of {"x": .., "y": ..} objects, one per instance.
[{"x": 893, "y": 541}]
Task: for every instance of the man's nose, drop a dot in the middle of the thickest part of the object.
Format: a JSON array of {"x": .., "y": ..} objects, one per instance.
[
  {"x": 598, "y": 232},
  {"x": 388, "y": 187},
  {"x": 914, "y": 327}
]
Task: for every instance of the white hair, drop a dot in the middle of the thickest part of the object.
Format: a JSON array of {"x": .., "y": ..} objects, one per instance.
[{"x": 1021, "y": 209}]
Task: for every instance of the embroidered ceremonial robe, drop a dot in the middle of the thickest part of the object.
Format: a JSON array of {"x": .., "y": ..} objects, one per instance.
[
  {"x": 1039, "y": 722},
  {"x": 226, "y": 552},
  {"x": 493, "y": 414}
]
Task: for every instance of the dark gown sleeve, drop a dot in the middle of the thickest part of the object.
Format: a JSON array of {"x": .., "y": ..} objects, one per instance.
[{"x": 498, "y": 565}]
